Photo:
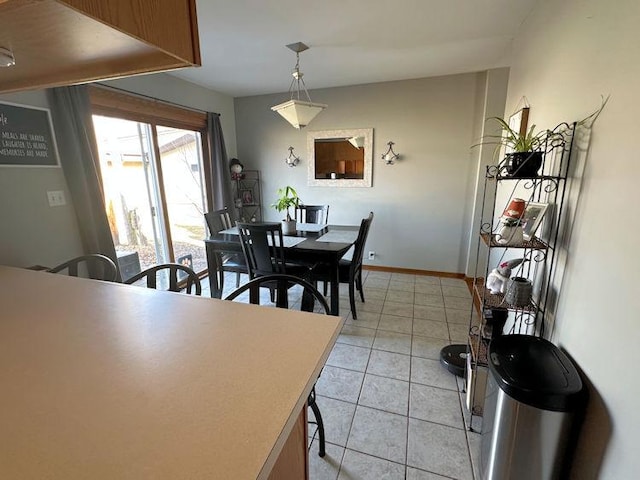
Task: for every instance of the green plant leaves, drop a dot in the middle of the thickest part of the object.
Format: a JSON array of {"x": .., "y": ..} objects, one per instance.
[{"x": 287, "y": 197}]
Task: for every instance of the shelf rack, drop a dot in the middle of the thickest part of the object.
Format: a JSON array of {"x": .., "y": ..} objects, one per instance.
[
  {"x": 248, "y": 205},
  {"x": 539, "y": 253}
]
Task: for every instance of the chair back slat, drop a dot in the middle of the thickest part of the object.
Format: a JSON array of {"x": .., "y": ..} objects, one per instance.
[
  {"x": 171, "y": 270},
  {"x": 99, "y": 267},
  {"x": 282, "y": 284},
  {"x": 218, "y": 220},
  {"x": 363, "y": 233},
  {"x": 318, "y": 214},
  {"x": 262, "y": 244}
]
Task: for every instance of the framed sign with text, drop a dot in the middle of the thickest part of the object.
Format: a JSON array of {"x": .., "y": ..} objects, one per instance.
[{"x": 26, "y": 137}]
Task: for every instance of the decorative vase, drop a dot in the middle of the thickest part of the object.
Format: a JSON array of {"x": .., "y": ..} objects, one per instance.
[
  {"x": 288, "y": 227},
  {"x": 523, "y": 164},
  {"x": 515, "y": 209},
  {"x": 519, "y": 291}
]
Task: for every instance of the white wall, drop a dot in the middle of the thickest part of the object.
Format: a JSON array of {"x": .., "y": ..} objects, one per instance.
[
  {"x": 31, "y": 232},
  {"x": 567, "y": 55},
  {"x": 423, "y": 203}
]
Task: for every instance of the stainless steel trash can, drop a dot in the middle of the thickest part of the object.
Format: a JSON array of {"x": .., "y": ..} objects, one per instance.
[{"x": 533, "y": 395}]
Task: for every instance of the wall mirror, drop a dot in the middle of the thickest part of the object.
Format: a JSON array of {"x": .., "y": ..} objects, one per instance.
[{"x": 340, "y": 158}]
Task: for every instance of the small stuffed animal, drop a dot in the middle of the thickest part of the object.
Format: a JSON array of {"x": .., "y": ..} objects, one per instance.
[
  {"x": 497, "y": 279},
  {"x": 510, "y": 232}
]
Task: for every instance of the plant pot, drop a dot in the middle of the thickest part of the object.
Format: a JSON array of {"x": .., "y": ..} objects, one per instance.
[
  {"x": 523, "y": 164},
  {"x": 288, "y": 227},
  {"x": 519, "y": 290}
]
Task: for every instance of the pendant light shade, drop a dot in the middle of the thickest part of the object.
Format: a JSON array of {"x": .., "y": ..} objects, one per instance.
[{"x": 298, "y": 113}]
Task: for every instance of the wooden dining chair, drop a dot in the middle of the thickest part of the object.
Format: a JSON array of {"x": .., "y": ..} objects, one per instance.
[
  {"x": 171, "y": 273},
  {"x": 263, "y": 248},
  {"x": 350, "y": 271},
  {"x": 217, "y": 221},
  {"x": 283, "y": 285},
  {"x": 95, "y": 266},
  {"x": 318, "y": 214}
]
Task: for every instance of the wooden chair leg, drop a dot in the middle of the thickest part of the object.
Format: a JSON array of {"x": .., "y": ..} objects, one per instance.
[
  {"x": 220, "y": 274},
  {"x": 237, "y": 279},
  {"x": 308, "y": 301},
  {"x": 360, "y": 289},
  {"x": 352, "y": 298}
]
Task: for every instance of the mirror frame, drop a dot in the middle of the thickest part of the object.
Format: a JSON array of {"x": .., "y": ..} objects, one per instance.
[{"x": 312, "y": 136}]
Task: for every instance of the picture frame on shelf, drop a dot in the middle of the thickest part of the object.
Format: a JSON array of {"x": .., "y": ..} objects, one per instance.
[
  {"x": 530, "y": 221},
  {"x": 247, "y": 197},
  {"x": 518, "y": 122}
]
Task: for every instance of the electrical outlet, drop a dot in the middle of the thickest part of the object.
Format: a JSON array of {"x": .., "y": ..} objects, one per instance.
[
  {"x": 56, "y": 198},
  {"x": 372, "y": 255}
]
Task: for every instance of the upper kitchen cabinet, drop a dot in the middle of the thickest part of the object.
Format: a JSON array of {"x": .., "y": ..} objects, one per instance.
[{"x": 62, "y": 42}]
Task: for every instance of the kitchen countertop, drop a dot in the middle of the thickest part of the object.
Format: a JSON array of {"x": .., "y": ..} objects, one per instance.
[{"x": 105, "y": 381}]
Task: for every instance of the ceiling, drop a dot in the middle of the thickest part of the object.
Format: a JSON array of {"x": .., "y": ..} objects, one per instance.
[{"x": 351, "y": 41}]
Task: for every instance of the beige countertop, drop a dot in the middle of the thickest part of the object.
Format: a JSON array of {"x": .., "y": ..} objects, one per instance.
[{"x": 108, "y": 381}]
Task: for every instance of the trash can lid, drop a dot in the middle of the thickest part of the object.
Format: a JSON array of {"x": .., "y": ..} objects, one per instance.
[{"x": 534, "y": 371}]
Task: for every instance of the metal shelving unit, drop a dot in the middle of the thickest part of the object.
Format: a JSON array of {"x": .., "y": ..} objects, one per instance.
[
  {"x": 247, "y": 196},
  {"x": 539, "y": 253}
]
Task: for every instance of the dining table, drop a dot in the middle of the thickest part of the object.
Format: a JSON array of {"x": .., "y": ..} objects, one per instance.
[
  {"x": 311, "y": 244},
  {"x": 110, "y": 381}
]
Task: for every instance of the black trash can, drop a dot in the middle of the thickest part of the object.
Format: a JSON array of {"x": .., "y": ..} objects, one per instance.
[{"x": 533, "y": 396}]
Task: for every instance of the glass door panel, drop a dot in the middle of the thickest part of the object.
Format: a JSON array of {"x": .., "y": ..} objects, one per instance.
[
  {"x": 184, "y": 193},
  {"x": 131, "y": 201}
]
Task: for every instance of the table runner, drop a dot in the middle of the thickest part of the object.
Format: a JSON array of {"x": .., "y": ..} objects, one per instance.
[
  {"x": 340, "y": 236},
  {"x": 288, "y": 241}
]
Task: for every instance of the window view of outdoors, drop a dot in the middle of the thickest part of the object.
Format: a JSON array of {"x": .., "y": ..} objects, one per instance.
[
  {"x": 135, "y": 203},
  {"x": 180, "y": 160}
]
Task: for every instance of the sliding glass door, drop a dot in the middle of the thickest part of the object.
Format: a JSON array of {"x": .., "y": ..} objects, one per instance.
[
  {"x": 180, "y": 153},
  {"x": 154, "y": 192}
]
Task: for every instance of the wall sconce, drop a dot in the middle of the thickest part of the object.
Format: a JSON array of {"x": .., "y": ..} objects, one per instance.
[
  {"x": 292, "y": 160},
  {"x": 390, "y": 156}
]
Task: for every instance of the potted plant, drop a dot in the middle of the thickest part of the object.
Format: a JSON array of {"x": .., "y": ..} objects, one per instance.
[
  {"x": 525, "y": 157},
  {"x": 287, "y": 197}
]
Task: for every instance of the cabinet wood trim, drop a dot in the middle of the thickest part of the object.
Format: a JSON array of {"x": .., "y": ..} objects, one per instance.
[
  {"x": 293, "y": 462},
  {"x": 63, "y": 42},
  {"x": 150, "y": 21}
]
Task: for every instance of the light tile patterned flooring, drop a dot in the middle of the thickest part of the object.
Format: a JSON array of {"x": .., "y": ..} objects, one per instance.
[{"x": 390, "y": 409}]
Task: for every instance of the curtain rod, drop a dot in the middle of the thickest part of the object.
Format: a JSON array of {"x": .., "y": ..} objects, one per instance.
[{"x": 149, "y": 97}]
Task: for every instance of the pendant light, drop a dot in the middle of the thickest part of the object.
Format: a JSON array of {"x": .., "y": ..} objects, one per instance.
[{"x": 295, "y": 111}]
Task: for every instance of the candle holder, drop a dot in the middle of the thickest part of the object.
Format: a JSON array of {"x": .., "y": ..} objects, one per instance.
[{"x": 390, "y": 156}]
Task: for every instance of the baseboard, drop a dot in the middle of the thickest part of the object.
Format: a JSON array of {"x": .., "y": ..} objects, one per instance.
[{"x": 413, "y": 271}]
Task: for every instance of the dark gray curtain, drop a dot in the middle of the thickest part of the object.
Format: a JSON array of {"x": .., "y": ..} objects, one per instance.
[
  {"x": 71, "y": 114},
  {"x": 219, "y": 188}
]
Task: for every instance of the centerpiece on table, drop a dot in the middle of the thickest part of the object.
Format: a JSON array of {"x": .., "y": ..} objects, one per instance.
[{"x": 287, "y": 197}]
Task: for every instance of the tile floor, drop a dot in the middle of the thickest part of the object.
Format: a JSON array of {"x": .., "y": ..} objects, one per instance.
[{"x": 390, "y": 409}]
